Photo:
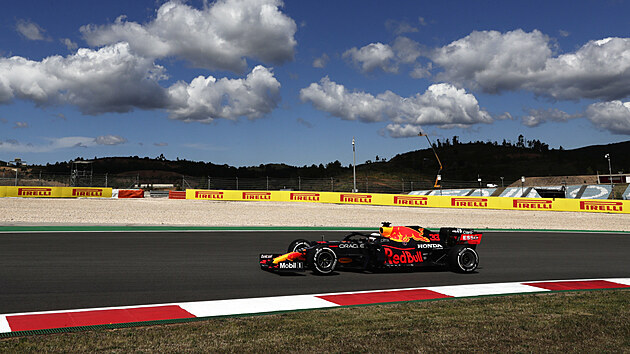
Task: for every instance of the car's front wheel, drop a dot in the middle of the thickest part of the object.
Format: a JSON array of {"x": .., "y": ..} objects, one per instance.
[
  {"x": 463, "y": 259},
  {"x": 298, "y": 245},
  {"x": 323, "y": 260}
]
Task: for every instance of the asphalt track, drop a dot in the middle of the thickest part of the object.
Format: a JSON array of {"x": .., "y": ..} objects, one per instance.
[{"x": 70, "y": 270}]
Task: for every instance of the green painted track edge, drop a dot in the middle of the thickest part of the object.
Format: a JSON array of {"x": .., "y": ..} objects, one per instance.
[
  {"x": 105, "y": 228},
  {"x": 199, "y": 319}
]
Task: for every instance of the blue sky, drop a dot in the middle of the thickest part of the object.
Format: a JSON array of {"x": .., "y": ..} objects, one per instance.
[{"x": 250, "y": 82}]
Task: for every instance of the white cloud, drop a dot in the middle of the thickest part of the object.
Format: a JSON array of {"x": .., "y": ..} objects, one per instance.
[
  {"x": 304, "y": 122},
  {"x": 518, "y": 60},
  {"x": 53, "y": 144},
  {"x": 535, "y": 117},
  {"x": 400, "y": 27},
  {"x": 219, "y": 36},
  {"x": 441, "y": 104},
  {"x": 207, "y": 98},
  {"x": 421, "y": 72},
  {"x": 321, "y": 61},
  {"x": 493, "y": 61},
  {"x": 110, "y": 140},
  {"x": 69, "y": 43},
  {"x": 389, "y": 58},
  {"x": 19, "y": 125},
  {"x": 30, "y": 30},
  {"x": 113, "y": 79},
  {"x": 613, "y": 116},
  {"x": 407, "y": 50},
  {"x": 373, "y": 56}
]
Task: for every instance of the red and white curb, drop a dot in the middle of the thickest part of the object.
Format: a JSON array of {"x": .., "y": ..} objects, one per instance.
[{"x": 117, "y": 315}]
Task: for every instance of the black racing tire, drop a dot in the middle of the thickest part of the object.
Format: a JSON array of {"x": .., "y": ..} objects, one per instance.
[
  {"x": 463, "y": 259},
  {"x": 322, "y": 260},
  {"x": 298, "y": 245}
]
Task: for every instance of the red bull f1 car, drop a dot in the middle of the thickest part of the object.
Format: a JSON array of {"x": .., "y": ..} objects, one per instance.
[{"x": 393, "y": 247}]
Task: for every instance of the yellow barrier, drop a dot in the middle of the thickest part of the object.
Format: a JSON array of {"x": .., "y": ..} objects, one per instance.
[
  {"x": 502, "y": 203},
  {"x": 55, "y": 192}
]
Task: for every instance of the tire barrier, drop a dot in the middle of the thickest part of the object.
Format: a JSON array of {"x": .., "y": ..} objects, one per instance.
[
  {"x": 130, "y": 193},
  {"x": 421, "y": 201}
]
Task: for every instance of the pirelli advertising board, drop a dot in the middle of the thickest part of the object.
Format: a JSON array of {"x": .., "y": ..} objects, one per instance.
[
  {"x": 504, "y": 203},
  {"x": 55, "y": 192}
]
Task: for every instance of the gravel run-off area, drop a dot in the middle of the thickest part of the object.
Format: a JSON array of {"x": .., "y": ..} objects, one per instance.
[{"x": 162, "y": 211}]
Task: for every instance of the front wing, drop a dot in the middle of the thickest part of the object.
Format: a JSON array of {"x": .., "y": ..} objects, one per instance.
[{"x": 277, "y": 262}]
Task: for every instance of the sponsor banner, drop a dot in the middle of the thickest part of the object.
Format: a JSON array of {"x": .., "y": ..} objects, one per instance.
[
  {"x": 57, "y": 192},
  {"x": 417, "y": 201}
]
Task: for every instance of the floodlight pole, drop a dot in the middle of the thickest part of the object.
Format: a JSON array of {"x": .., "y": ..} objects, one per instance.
[
  {"x": 17, "y": 162},
  {"x": 607, "y": 156},
  {"x": 437, "y": 180},
  {"x": 354, "y": 168},
  {"x": 480, "y": 189}
]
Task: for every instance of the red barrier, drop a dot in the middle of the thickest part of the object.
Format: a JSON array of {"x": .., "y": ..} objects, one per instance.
[
  {"x": 130, "y": 193},
  {"x": 176, "y": 194}
]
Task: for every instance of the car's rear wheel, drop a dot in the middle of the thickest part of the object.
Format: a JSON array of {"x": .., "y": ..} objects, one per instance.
[
  {"x": 323, "y": 260},
  {"x": 463, "y": 259},
  {"x": 298, "y": 245}
]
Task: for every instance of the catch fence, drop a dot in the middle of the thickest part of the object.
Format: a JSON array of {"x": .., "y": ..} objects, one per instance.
[{"x": 180, "y": 182}]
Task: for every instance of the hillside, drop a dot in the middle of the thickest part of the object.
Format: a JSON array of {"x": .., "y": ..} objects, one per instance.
[{"x": 462, "y": 162}]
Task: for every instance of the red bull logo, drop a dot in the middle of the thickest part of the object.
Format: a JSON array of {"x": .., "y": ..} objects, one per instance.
[
  {"x": 533, "y": 204},
  {"x": 257, "y": 195},
  {"x": 216, "y": 195},
  {"x": 356, "y": 198},
  {"x": 410, "y": 200},
  {"x": 291, "y": 257},
  {"x": 470, "y": 202},
  {"x": 402, "y": 256},
  {"x": 304, "y": 197},
  {"x": 600, "y": 206},
  {"x": 403, "y": 234},
  {"x": 87, "y": 192},
  {"x": 34, "y": 192}
]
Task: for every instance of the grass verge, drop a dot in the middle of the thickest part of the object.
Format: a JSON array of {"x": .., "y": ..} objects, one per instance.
[{"x": 589, "y": 321}]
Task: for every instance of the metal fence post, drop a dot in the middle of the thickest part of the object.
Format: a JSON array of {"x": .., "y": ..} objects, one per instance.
[
  {"x": 237, "y": 183},
  {"x": 332, "y": 186},
  {"x": 299, "y": 183}
]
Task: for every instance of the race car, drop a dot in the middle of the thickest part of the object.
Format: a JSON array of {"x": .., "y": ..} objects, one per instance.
[{"x": 393, "y": 247}]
